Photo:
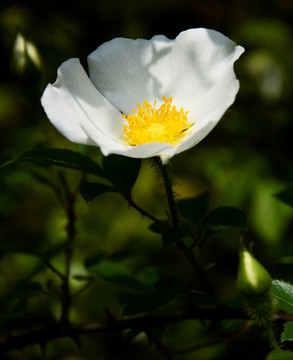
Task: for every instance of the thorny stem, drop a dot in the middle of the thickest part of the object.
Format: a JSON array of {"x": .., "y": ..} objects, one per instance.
[
  {"x": 188, "y": 252},
  {"x": 143, "y": 212}
]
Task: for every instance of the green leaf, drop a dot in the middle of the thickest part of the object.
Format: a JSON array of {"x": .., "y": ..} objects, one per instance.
[
  {"x": 114, "y": 272},
  {"x": 280, "y": 355},
  {"x": 146, "y": 302},
  {"x": 95, "y": 258},
  {"x": 90, "y": 190},
  {"x": 122, "y": 171},
  {"x": 286, "y": 195},
  {"x": 283, "y": 292},
  {"x": 62, "y": 157},
  {"x": 227, "y": 216},
  {"x": 194, "y": 209},
  {"x": 287, "y": 334},
  {"x": 286, "y": 260}
]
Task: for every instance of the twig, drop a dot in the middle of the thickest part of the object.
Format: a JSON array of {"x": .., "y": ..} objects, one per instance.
[
  {"x": 140, "y": 322},
  {"x": 188, "y": 252},
  {"x": 143, "y": 212}
]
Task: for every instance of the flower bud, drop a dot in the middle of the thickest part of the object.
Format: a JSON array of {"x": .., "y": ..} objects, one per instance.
[
  {"x": 25, "y": 58},
  {"x": 253, "y": 278}
]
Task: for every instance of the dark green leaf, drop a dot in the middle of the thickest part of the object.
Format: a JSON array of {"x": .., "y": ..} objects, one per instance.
[
  {"x": 90, "y": 190},
  {"x": 55, "y": 249},
  {"x": 283, "y": 292},
  {"x": 286, "y": 195},
  {"x": 83, "y": 277},
  {"x": 64, "y": 158},
  {"x": 147, "y": 302},
  {"x": 194, "y": 209},
  {"x": 114, "y": 272},
  {"x": 157, "y": 229},
  {"x": 286, "y": 260},
  {"x": 280, "y": 355},
  {"x": 171, "y": 236},
  {"x": 172, "y": 285},
  {"x": 94, "y": 259},
  {"x": 122, "y": 171},
  {"x": 287, "y": 334},
  {"x": 227, "y": 216}
]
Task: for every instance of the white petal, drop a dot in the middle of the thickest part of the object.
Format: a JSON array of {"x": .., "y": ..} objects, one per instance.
[
  {"x": 206, "y": 85},
  {"x": 129, "y": 71},
  {"x": 73, "y": 101}
]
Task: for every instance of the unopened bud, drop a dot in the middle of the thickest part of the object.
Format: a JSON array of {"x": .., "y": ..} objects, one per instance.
[
  {"x": 25, "y": 59},
  {"x": 253, "y": 278}
]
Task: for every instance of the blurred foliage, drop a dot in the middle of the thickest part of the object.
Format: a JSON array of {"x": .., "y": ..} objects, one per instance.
[{"x": 245, "y": 162}]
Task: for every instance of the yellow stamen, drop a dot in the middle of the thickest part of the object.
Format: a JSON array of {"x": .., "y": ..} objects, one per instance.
[{"x": 148, "y": 124}]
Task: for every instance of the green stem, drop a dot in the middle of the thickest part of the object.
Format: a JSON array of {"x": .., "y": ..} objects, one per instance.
[
  {"x": 188, "y": 252},
  {"x": 169, "y": 193}
]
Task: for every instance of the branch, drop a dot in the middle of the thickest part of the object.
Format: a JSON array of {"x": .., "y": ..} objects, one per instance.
[{"x": 144, "y": 322}]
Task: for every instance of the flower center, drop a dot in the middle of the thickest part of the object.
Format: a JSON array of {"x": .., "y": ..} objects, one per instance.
[{"x": 148, "y": 124}]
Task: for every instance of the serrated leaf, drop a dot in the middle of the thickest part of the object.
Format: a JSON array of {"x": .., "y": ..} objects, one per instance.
[
  {"x": 195, "y": 208},
  {"x": 283, "y": 292},
  {"x": 280, "y": 355},
  {"x": 122, "y": 171},
  {"x": 226, "y": 216},
  {"x": 90, "y": 190},
  {"x": 64, "y": 158},
  {"x": 286, "y": 195},
  {"x": 146, "y": 302},
  {"x": 287, "y": 334}
]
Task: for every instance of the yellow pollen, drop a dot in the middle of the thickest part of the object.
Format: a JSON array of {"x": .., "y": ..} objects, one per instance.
[{"x": 148, "y": 124}]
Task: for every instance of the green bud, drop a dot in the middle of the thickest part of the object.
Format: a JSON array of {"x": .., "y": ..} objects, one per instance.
[
  {"x": 253, "y": 278},
  {"x": 25, "y": 58}
]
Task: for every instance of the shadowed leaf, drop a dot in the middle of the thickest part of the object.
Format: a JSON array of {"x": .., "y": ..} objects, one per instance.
[
  {"x": 194, "y": 209},
  {"x": 227, "y": 216},
  {"x": 122, "y": 171},
  {"x": 283, "y": 292},
  {"x": 89, "y": 191},
  {"x": 63, "y": 158}
]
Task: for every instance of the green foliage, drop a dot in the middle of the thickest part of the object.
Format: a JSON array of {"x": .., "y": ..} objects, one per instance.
[
  {"x": 121, "y": 171},
  {"x": 226, "y": 216},
  {"x": 280, "y": 355},
  {"x": 286, "y": 195},
  {"x": 194, "y": 209},
  {"x": 89, "y": 191},
  {"x": 63, "y": 158},
  {"x": 287, "y": 334},
  {"x": 283, "y": 293}
]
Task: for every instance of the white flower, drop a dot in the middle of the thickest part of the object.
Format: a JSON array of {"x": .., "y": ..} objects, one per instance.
[{"x": 145, "y": 98}]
